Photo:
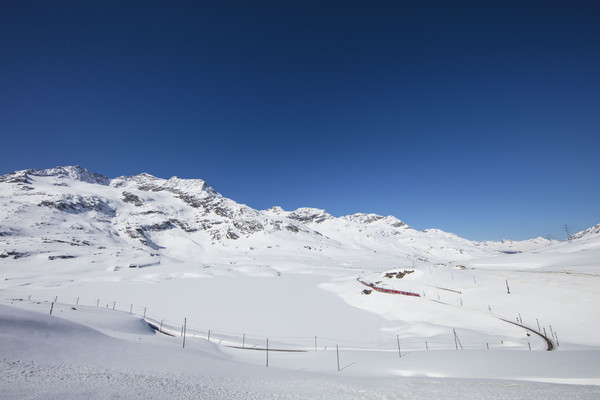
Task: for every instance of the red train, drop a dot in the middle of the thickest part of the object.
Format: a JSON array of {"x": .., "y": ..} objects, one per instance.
[{"x": 392, "y": 291}]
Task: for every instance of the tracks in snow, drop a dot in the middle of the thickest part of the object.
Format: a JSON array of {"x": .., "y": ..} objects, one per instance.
[{"x": 550, "y": 346}]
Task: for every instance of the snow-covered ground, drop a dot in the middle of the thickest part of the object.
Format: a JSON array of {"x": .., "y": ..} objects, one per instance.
[
  {"x": 109, "y": 257},
  {"x": 100, "y": 353}
]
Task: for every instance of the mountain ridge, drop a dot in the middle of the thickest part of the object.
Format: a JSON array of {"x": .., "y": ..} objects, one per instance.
[{"x": 145, "y": 216}]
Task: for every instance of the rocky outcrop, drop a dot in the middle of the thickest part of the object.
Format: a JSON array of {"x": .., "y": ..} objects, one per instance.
[
  {"x": 309, "y": 215},
  {"x": 80, "y": 204},
  {"x": 132, "y": 199}
]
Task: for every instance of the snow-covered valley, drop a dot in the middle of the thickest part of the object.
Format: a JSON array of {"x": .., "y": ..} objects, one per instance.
[{"x": 109, "y": 256}]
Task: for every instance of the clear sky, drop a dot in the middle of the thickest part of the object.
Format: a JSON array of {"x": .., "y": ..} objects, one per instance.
[{"x": 480, "y": 118}]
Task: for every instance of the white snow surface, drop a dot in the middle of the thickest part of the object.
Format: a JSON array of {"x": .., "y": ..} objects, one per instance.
[{"x": 110, "y": 256}]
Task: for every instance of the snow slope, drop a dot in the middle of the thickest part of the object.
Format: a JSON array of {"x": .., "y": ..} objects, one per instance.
[{"x": 114, "y": 355}]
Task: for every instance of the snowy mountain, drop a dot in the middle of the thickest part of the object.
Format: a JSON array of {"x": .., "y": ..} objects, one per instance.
[
  {"x": 68, "y": 212},
  {"x": 591, "y": 232}
]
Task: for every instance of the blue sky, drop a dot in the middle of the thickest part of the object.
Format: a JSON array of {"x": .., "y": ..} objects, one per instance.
[{"x": 478, "y": 118}]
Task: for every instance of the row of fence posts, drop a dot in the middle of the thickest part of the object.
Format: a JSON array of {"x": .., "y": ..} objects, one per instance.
[
  {"x": 337, "y": 348},
  {"x": 457, "y": 341},
  {"x": 519, "y": 319}
]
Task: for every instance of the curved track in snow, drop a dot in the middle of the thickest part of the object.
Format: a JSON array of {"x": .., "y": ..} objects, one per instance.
[{"x": 549, "y": 343}]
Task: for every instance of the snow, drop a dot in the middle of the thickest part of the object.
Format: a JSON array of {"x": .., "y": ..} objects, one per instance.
[
  {"x": 290, "y": 278},
  {"x": 100, "y": 353}
]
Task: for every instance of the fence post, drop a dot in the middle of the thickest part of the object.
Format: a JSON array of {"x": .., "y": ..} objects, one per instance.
[
  {"x": 98, "y": 303},
  {"x": 426, "y": 345},
  {"x": 507, "y": 288},
  {"x": 208, "y": 338},
  {"x": 267, "y": 352},
  {"x": 130, "y": 308},
  {"x": 51, "y": 308},
  {"x": 144, "y": 312},
  {"x": 114, "y": 303},
  {"x": 455, "y": 342},
  {"x": 244, "y": 341},
  {"x": 337, "y": 350},
  {"x": 399, "y": 352},
  {"x": 184, "y": 329},
  {"x": 77, "y": 301}
]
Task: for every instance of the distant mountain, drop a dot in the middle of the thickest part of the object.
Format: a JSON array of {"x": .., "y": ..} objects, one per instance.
[
  {"x": 66, "y": 213},
  {"x": 590, "y": 232}
]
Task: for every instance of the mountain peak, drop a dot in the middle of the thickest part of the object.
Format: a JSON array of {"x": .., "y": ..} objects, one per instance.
[
  {"x": 365, "y": 218},
  {"x": 75, "y": 172},
  {"x": 191, "y": 186},
  {"x": 275, "y": 210},
  {"x": 149, "y": 182},
  {"x": 309, "y": 214}
]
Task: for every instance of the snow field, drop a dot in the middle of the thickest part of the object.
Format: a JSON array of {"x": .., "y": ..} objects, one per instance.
[{"x": 114, "y": 355}]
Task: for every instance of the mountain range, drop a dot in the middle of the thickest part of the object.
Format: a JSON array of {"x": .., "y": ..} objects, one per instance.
[{"x": 70, "y": 212}]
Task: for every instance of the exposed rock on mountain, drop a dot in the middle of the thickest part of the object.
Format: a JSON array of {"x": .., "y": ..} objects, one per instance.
[
  {"x": 79, "y": 204},
  {"x": 310, "y": 215}
]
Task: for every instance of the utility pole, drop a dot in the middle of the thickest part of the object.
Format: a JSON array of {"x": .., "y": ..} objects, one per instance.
[{"x": 568, "y": 232}]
